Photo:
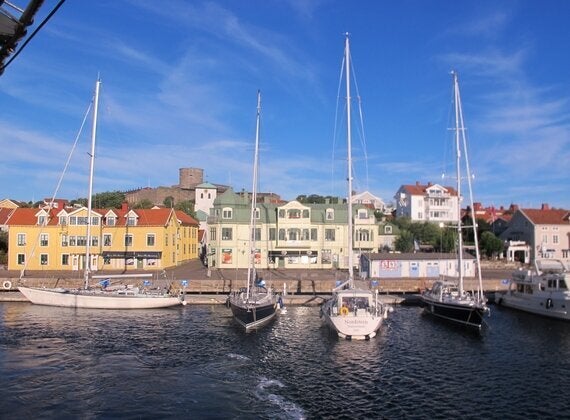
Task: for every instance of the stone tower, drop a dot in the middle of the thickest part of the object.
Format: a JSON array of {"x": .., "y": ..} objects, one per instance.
[{"x": 190, "y": 177}]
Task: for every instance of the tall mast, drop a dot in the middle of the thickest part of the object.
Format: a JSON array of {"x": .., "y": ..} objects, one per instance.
[
  {"x": 252, "y": 243},
  {"x": 90, "y": 189},
  {"x": 458, "y": 129},
  {"x": 470, "y": 188},
  {"x": 349, "y": 161}
]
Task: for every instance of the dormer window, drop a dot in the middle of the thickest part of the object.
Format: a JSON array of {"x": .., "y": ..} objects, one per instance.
[
  {"x": 63, "y": 220},
  {"x": 388, "y": 230},
  {"x": 131, "y": 221},
  {"x": 111, "y": 220},
  {"x": 294, "y": 214},
  {"x": 362, "y": 214},
  {"x": 256, "y": 214},
  {"x": 227, "y": 213},
  {"x": 330, "y": 214},
  {"x": 42, "y": 220}
]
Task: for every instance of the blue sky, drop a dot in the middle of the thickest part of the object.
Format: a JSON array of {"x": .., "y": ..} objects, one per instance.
[{"x": 180, "y": 81}]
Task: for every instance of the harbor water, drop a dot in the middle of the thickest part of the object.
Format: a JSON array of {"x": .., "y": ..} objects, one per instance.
[{"x": 195, "y": 362}]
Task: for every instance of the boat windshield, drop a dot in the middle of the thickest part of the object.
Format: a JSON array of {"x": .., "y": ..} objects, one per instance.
[{"x": 355, "y": 302}]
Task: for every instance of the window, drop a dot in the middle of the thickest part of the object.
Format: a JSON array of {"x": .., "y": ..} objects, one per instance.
[
  {"x": 555, "y": 239},
  {"x": 150, "y": 239},
  {"x": 314, "y": 235},
  {"x": 82, "y": 220},
  {"x": 111, "y": 220},
  {"x": 72, "y": 220},
  {"x": 281, "y": 213},
  {"x": 94, "y": 221},
  {"x": 43, "y": 259},
  {"x": 128, "y": 240},
  {"x": 329, "y": 235},
  {"x": 64, "y": 240},
  {"x": 226, "y": 234},
  {"x": 64, "y": 259},
  {"x": 44, "y": 239},
  {"x": 305, "y": 235},
  {"x": 257, "y": 234},
  {"x": 213, "y": 234},
  {"x": 362, "y": 214},
  {"x": 256, "y": 213},
  {"x": 227, "y": 213},
  {"x": 281, "y": 234},
  {"x": 21, "y": 259},
  {"x": 326, "y": 256},
  {"x": 42, "y": 220},
  {"x": 72, "y": 240},
  {"x": 272, "y": 234},
  {"x": 294, "y": 214},
  {"x": 107, "y": 239},
  {"x": 63, "y": 220},
  {"x": 329, "y": 214},
  {"x": 131, "y": 221},
  {"x": 81, "y": 240},
  {"x": 306, "y": 214},
  {"x": 21, "y": 239},
  {"x": 294, "y": 234},
  {"x": 362, "y": 235},
  {"x": 94, "y": 241},
  {"x": 388, "y": 230}
]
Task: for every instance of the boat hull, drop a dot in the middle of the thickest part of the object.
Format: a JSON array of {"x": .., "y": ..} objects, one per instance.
[
  {"x": 255, "y": 310},
  {"x": 97, "y": 299},
  {"x": 253, "y": 316},
  {"x": 550, "y": 307},
  {"x": 456, "y": 312},
  {"x": 354, "y": 314}
]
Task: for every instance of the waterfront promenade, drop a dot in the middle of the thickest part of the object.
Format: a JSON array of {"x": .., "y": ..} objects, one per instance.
[{"x": 303, "y": 286}]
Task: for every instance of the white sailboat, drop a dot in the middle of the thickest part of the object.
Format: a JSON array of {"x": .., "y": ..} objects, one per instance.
[
  {"x": 254, "y": 305},
  {"x": 105, "y": 298},
  {"x": 354, "y": 314},
  {"x": 447, "y": 299}
]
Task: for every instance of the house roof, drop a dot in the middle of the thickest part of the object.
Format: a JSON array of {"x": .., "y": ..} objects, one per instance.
[
  {"x": 547, "y": 216},
  {"x": 420, "y": 189},
  {"x": 5, "y": 214},
  {"x": 146, "y": 217}
]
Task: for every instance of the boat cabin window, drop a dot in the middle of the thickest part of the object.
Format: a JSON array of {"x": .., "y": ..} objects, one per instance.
[
  {"x": 562, "y": 284},
  {"x": 355, "y": 302}
]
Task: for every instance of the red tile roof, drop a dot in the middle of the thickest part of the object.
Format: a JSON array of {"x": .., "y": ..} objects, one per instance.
[
  {"x": 547, "y": 217},
  {"x": 419, "y": 189},
  {"x": 146, "y": 217}
]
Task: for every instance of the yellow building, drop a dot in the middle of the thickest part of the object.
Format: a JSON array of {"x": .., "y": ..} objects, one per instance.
[{"x": 120, "y": 239}]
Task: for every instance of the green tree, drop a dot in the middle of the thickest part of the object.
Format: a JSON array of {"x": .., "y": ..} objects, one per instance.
[
  {"x": 490, "y": 245},
  {"x": 447, "y": 240},
  {"x": 145, "y": 203},
  {"x": 187, "y": 207},
  {"x": 404, "y": 242},
  {"x": 168, "y": 202}
]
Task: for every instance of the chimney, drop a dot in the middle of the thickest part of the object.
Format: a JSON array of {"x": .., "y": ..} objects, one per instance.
[
  {"x": 125, "y": 206},
  {"x": 545, "y": 206},
  {"x": 417, "y": 183}
]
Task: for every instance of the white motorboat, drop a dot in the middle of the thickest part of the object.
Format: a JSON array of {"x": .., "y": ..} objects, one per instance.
[{"x": 542, "y": 291}]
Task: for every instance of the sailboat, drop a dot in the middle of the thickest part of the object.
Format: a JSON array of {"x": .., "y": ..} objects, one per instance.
[
  {"x": 354, "y": 314},
  {"x": 254, "y": 305},
  {"x": 103, "y": 298},
  {"x": 448, "y": 299}
]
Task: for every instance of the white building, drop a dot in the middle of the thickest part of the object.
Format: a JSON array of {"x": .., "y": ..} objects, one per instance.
[{"x": 427, "y": 203}]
